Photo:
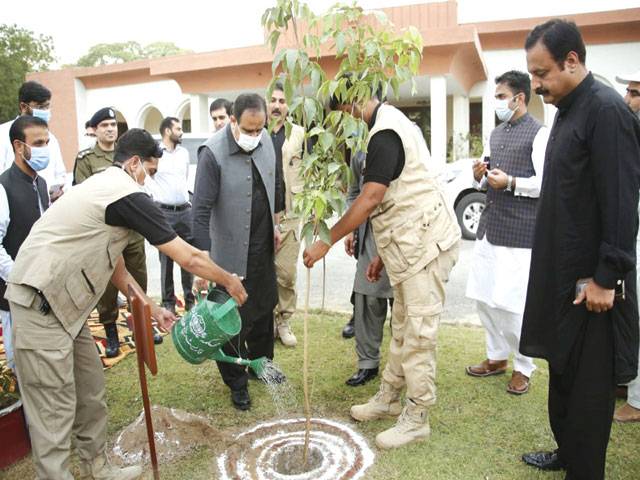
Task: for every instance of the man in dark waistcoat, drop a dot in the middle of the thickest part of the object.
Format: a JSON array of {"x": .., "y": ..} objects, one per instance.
[
  {"x": 237, "y": 198},
  {"x": 512, "y": 178},
  {"x": 581, "y": 312},
  {"x": 23, "y": 198}
]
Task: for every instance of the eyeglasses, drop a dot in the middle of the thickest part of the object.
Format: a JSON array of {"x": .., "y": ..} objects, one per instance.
[{"x": 633, "y": 93}]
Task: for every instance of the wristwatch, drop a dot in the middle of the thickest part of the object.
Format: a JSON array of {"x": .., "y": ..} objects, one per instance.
[{"x": 509, "y": 183}]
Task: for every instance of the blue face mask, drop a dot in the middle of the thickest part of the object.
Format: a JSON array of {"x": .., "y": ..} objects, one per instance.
[
  {"x": 39, "y": 157},
  {"x": 43, "y": 114}
]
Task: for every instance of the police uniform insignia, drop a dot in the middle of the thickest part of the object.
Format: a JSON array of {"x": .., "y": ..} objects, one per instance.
[{"x": 83, "y": 153}]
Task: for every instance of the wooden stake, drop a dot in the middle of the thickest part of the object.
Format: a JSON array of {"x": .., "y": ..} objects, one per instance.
[{"x": 145, "y": 351}]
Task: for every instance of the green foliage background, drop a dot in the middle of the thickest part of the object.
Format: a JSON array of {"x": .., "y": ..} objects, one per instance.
[{"x": 21, "y": 51}]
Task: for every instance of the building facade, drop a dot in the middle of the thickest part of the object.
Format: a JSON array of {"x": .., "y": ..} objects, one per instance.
[{"x": 454, "y": 100}]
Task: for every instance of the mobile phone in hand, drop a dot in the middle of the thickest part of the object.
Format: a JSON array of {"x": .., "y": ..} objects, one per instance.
[
  {"x": 581, "y": 284},
  {"x": 486, "y": 161}
]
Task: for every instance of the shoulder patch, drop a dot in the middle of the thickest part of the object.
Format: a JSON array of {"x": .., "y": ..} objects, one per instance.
[{"x": 83, "y": 153}]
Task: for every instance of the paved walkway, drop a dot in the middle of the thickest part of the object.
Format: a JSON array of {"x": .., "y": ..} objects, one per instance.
[{"x": 340, "y": 270}]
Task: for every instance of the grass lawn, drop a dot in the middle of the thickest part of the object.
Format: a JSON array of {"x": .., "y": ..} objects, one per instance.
[{"x": 478, "y": 430}]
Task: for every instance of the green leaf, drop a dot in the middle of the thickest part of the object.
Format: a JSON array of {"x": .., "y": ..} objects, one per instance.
[
  {"x": 310, "y": 109},
  {"x": 324, "y": 232},
  {"x": 340, "y": 43},
  {"x": 334, "y": 167},
  {"x": 315, "y": 131},
  {"x": 307, "y": 233},
  {"x": 291, "y": 57},
  {"x": 273, "y": 39},
  {"x": 276, "y": 60},
  {"x": 325, "y": 139},
  {"x": 316, "y": 77},
  {"x": 288, "y": 90}
]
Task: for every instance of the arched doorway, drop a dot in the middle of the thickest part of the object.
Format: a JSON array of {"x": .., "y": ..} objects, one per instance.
[
  {"x": 150, "y": 119},
  {"x": 123, "y": 126},
  {"x": 184, "y": 114}
]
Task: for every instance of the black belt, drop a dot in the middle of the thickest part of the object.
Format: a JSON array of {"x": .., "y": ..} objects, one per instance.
[{"x": 174, "y": 208}]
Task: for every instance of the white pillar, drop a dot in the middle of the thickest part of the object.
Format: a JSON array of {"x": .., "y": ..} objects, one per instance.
[
  {"x": 460, "y": 127},
  {"x": 488, "y": 112},
  {"x": 438, "y": 91},
  {"x": 199, "y": 114}
]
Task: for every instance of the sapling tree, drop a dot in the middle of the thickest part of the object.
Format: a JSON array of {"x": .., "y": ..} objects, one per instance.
[{"x": 372, "y": 56}]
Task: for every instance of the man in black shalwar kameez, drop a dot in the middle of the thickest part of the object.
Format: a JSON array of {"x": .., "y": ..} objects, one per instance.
[{"x": 586, "y": 228}]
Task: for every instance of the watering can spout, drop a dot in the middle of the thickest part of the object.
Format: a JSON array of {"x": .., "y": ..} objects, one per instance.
[{"x": 258, "y": 365}]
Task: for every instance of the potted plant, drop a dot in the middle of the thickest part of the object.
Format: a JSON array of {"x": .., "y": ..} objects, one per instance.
[{"x": 12, "y": 423}]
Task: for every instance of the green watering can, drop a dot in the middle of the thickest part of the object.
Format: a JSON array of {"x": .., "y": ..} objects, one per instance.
[{"x": 201, "y": 333}]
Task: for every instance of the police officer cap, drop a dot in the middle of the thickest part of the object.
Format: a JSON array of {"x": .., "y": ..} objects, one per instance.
[{"x": 106, "y": 113}]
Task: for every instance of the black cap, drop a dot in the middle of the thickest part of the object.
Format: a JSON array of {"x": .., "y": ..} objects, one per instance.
[{"x": 106, "y": 113}]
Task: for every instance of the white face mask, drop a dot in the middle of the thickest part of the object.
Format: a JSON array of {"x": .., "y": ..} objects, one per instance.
[
  {"x": 247, "y": 142},
  {"x": 503, "y": 112}
]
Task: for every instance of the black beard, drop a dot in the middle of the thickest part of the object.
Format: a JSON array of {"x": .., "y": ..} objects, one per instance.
[{"x": 541, "y": 91}]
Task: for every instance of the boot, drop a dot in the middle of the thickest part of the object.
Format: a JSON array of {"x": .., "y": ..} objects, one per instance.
[
  {"x": 100, "y": 468},
  {"x": 412, "y": 426},
  {"x": 113, "y": 343},
  {"x": 385, "y": 403},
  {"x": 287, "y": 337}
]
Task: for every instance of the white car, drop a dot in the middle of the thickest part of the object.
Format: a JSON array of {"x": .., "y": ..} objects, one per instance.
[{"x": 466, "y": 201}]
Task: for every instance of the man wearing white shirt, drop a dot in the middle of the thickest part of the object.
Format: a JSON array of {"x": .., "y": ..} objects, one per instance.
[
  {"x": 511, "y": 171},
  {"x": 23, "y": 198},
  {"x": 35, "y": 99},
  {"x": 169, "y": 190}
]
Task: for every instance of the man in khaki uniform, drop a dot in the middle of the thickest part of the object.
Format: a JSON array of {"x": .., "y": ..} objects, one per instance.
[
  {"x": 59, "y": 274},
  {"x": 417, "y": 237},
  {"x": 89, "y": 162},
  {"x": 289, "y": 153}
]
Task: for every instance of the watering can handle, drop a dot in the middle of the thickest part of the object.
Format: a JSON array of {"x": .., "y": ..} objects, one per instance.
[{"x": 225, "y": 308}]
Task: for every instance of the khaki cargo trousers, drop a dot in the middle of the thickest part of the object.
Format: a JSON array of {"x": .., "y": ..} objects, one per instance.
[
  {"x": 62, "y": 388},
  {"x": 286, "y": 270},
  {"x": 418, "y": 302}
]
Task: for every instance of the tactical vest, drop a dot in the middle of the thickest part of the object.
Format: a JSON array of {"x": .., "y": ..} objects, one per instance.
[
  {"x": 71, "y": 252},
  {"x": 413, "y": 224}
]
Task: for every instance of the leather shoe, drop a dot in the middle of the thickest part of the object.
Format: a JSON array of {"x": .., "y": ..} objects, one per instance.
[
  {"x": 362, "y": 376},
  {"x": 349, "y": 331},
  {"x": 544, "y": 460},
  {"x": 241, "y": 399},
  {"x": 487, "y": 368}
]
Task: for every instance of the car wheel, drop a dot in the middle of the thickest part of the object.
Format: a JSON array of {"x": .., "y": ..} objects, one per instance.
[{"x": 468, "y": 212}]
